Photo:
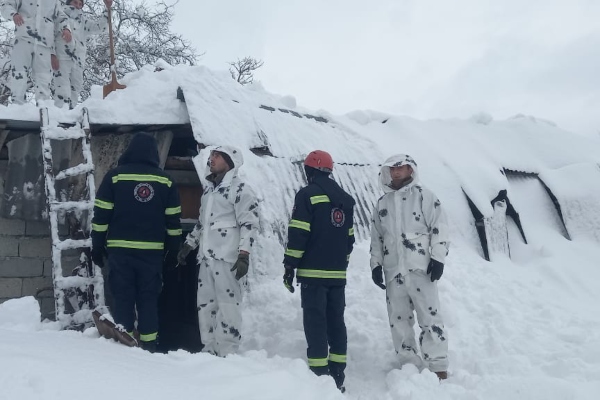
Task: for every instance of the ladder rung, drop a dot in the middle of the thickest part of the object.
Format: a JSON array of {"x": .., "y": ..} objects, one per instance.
[
  {"x": 68, "y": 244},
  {"x": 64, "y": 134},
  {"x": 71, "y": 205},
  {"x": 80, "y": 169},
  {"x": 69, "y": 282}
]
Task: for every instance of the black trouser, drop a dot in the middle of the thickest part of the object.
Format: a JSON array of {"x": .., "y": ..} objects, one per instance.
[
  {"x": 135, "y": 281},
  {"x": 325, "y": 330}
]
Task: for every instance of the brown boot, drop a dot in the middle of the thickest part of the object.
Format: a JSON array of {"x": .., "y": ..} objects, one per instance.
[{"x": 442, "y": 375}]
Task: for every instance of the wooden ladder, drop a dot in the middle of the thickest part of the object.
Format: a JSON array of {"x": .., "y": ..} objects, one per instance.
[{"x": 83, "y": 288}]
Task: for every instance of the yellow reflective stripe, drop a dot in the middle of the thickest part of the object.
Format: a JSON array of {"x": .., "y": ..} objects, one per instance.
[
  {"x": 141, "y": 178},
  {"x": 128, "y": 244},
  {"x": 104, "y": 204},
  {"x": 295, "y": 223},
  {"x": 149, "y": 337},
  {"x": 317, "y": 273},
  {"x": 174, "y": 232},
  {"x": 99, "y": 228},
  {"x": 319, "y": 199},
  {"x": 351, "y": 232},
  {"x": 318, "y": 362},
  {"x": 294, "y": 253},
  {"x": 338, "y": 358},
  {"x": 172, "y": 210}
]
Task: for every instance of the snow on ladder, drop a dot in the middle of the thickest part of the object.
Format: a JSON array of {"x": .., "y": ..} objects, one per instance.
[{"x": 84, "y": 288}]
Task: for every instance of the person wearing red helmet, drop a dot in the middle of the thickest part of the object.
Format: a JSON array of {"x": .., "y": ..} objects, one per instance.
[{"x": 320, "y": 240}]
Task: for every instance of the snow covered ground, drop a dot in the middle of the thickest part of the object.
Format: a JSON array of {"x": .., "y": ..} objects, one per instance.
[
  {"x": 519, "y": 328},
  {"x": 517, "y": 331}
]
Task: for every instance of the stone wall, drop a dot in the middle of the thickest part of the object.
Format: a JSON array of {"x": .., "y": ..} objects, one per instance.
[
  {"x": 25, "y": 264},
  {"x": 25, "y": 245}
]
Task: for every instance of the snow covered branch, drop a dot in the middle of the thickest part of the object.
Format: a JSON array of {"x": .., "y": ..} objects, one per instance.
[{"x": 243, "y": 70}]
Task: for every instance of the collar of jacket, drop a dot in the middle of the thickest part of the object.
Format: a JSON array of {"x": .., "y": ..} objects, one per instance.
[
  {"x": 406, "y": 188},
  {"x": 225, "y": 180}
]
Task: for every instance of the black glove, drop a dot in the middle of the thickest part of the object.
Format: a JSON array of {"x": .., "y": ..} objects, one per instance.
[
  {"x": 183, "y": 253},
  {"x": 436, "y": 269},
  {"x": 288, "y": 278},
  {"x": 377, "y": 276},
  {"x": 241, "y": 265},
  {"x": 98, "y": 253}
]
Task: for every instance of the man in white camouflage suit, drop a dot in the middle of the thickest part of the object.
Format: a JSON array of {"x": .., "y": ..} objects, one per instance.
[
  {"x": 409, "y": 243},
  {"x": 69, "y": 59},
  {"x": 36, "y": 22},
  {"x": 225, "y": 234}
]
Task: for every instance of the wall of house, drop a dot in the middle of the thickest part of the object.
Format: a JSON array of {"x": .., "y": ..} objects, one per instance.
[
  {"x": 25, "y": 264},
  {"x": 25, "y": 244}
]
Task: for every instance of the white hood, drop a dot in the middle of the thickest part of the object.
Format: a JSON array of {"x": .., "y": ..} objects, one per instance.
[
  {"x": 236, "y": 156},
  {"x": 398, "y": 160}
]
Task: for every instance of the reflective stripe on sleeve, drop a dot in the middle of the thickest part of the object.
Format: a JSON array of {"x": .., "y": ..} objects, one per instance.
[
  {"x": 319, "y": 199},
  {"x": 99, "y": 228},
  {"x": 295, "y": 223},
  {"x": 104, "y": 204},
  {"x": 172, "y": 210},
  {"x": 294, "y": 253}
]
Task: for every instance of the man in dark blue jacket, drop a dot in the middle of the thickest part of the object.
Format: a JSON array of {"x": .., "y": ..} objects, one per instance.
[
  {"x": 137, "y": 222},
  {"x": 320, "y": 240}
]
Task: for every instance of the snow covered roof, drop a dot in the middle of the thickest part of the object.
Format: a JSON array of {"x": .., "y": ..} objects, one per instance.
[{"x": 455, "y": 156}]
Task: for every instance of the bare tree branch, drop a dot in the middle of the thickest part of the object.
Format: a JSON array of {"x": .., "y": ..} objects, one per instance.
[
  {"x": 142, "y": 35},
  {"x": 243, "y": 70}
]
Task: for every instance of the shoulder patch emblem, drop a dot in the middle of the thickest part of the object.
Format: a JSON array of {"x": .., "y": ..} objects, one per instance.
[
  {"x": 337, "y": 217},
  {"x": 143, "y": 192}
]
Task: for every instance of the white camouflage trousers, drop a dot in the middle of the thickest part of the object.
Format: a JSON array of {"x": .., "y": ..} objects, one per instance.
[
  {"x": 416, "y": 292},
  {"x": 33, "y": 59},
  {"x": 68, "y": 81},
  {"x": 219, "y": 307}
]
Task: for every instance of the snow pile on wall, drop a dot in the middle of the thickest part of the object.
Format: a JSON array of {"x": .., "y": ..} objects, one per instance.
[{"x": 20, "y": 314}]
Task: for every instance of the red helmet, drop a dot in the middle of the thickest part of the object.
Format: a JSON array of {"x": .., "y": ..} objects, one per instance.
[{"x": 320, "y": 160}]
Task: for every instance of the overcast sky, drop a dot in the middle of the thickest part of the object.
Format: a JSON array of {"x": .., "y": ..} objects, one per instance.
[{"x": 421, "y": 58}]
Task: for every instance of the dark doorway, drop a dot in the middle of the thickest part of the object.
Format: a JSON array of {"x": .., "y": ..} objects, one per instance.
[{"x": 177, "y": 310}]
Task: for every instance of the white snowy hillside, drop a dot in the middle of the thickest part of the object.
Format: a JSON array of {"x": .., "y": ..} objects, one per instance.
[{"x": 523, "y": 325}]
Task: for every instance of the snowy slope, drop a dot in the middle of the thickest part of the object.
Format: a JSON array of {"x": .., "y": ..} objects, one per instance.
[{"x": 525, "y": 328}]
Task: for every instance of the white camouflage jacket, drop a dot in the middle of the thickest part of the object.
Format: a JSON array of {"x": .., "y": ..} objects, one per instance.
[
  {"x": 228, "y": 219},
  {"x": 81, "y": 28},
  {"x": 42, "y": 19},
  {"x": 408, "y": 225}
]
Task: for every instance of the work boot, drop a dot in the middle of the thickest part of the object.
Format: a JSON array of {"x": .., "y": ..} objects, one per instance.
[
  {"x": 149, "y": 346},
  {"x": 338, "y": 377},
  {"x": 442, "y": 375}
]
